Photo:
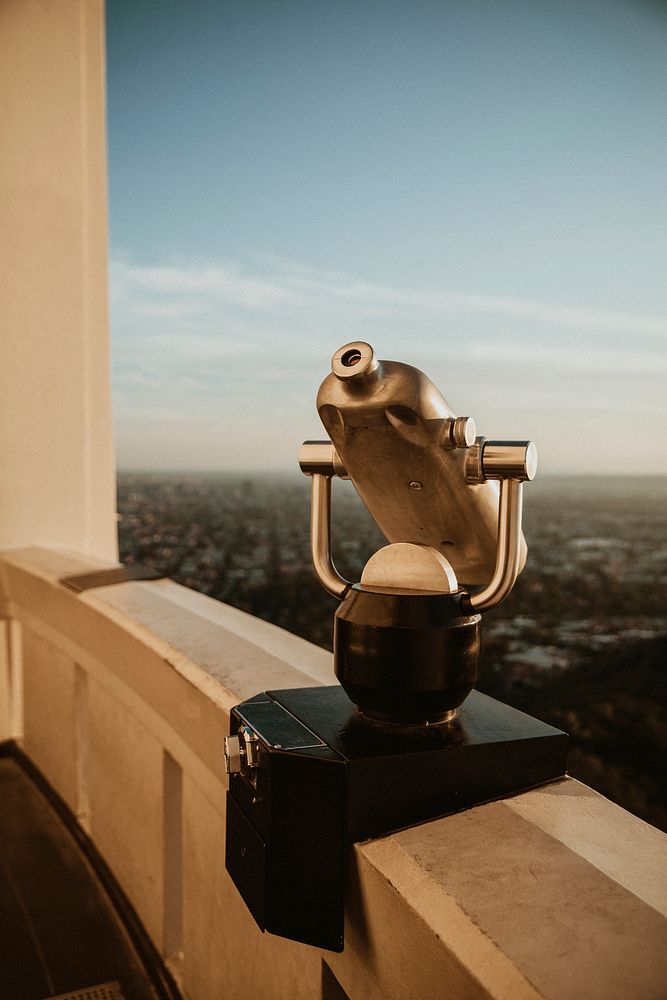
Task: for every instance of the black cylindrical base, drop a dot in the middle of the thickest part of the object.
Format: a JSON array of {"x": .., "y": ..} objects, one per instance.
[{"x": 405, "y": 659}]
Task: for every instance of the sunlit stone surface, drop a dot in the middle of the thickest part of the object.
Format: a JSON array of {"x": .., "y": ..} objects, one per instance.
[{"x": 126, "y": 694}]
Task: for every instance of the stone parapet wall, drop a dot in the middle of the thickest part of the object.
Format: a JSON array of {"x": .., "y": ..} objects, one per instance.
[{"x": 121, "y": 696}]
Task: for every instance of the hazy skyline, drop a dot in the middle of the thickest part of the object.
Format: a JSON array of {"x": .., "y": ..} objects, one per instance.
[{"x": 477, "y": 189}]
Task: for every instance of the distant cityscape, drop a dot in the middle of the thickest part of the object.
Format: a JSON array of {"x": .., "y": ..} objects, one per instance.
[{"x": 590, "y": 607}]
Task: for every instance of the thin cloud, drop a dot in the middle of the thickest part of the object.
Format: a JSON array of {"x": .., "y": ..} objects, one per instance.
[
  {"x": 223, "y": 281},
  {"x": 209, "y": 353},
  {"x": 552, "y": 357},
  {"x": 177, "y": 289}
]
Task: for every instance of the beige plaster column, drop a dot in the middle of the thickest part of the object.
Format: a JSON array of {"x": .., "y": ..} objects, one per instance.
[{"x": 57, "y": 484}]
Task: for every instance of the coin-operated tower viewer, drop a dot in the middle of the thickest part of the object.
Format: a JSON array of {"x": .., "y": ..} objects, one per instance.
[{"x": 404, "y": 738}]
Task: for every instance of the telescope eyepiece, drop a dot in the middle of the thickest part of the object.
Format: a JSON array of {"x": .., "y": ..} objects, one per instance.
[{"x": 354, "y": 361}]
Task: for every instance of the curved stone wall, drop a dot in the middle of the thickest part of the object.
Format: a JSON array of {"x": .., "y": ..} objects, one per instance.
[{"x": 121, "y": 696}]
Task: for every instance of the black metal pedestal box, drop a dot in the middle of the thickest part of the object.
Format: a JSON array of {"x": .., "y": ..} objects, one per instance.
[{"x": 322, "y": 779}]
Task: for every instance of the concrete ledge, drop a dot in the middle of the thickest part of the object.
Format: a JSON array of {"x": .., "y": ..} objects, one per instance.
[{"x": 121, "y": 696}]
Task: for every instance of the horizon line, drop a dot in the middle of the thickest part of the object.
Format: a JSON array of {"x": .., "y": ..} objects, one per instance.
[{"x": 297, "y": 472}]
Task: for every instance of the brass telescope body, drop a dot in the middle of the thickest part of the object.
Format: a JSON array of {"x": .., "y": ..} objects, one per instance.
[
  {"x": 449, "y": 504},
  {"x": 393, "y": 432}
]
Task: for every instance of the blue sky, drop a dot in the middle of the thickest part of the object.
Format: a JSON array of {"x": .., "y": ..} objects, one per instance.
[{"x": 476, "y": 188}]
